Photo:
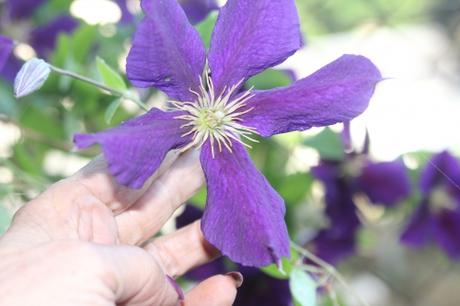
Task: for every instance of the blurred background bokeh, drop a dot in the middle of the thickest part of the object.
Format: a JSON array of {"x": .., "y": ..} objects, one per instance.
[{"x": 413, "y": 116}]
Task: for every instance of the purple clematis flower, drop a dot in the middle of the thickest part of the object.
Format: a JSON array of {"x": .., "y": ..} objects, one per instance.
[
  {"x": 126, "y": 16},
  {"x": 437, "y": 218},
  {"x": 21, "y": 9},
  {"x": 6, "y": 47},
  {"x": 244, "y": 216},
  {"x": 197, "y": 10},
  {"x": 258, "y": 288},
  {"x": 43, "y": 38},
  {"x": 385, "y": 183}
]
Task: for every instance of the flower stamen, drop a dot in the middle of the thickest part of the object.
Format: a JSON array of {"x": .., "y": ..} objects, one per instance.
[{"x": 217, "y": 118}]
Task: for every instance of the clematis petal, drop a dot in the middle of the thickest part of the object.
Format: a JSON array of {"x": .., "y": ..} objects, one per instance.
[
  {"x": 419, "y": 230},
  {"x": 441, "y": 169},
  {"x": 6, "y": 47},
  {"x": 251, "y": 36},
  {"x": 385, "y": 182},
  {"x": 197, "y": 10},
  {"x": 340, "y": 207},
  {"x": 244, "y": 216},
  {"x": 126, "y": 16},
  {"x": 43, "y": 38},
  {"x": 167, "y": 51},
  {"x": 333, "y": 246},
  {"x": 447, "y": 232},
  {"x": 20, "y": 9},
  {"x": 135, "y": 149},
  {"x": 336, "y": 93}
]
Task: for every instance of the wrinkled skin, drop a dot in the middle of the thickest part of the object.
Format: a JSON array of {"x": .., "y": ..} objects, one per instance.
[{"x": 85, "y": 241}]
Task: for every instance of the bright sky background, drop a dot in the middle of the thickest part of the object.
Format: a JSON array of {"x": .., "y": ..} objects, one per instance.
[{"x": 419, "y": 108}]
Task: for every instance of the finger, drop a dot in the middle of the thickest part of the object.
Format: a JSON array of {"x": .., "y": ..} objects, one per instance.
[
  {"x": 97, "y": 181},
  {"x": 135, "y": 278},
  {"x": 174, "y": 187},
  {"x": 182, "y": 250},
  {"x": 219, "y": 290}
]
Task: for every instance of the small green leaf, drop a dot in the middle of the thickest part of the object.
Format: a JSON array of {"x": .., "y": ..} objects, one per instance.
[
  {"x": 328, "y": 144},
  {"x": 206, "y": 27},
  {"x": 303, "y": 287},
  {"x": 270, "y": 78},
  {"x": 111, "y": 110},
  {"x": 287, "y": 265},
  {"x": 110, "y": 77}
]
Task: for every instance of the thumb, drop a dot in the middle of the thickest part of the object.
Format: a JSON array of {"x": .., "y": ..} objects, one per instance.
[{"x": 137, "y": 278}]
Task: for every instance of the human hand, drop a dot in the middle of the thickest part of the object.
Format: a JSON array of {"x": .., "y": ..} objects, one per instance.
[{"x": 87, "y": 241}]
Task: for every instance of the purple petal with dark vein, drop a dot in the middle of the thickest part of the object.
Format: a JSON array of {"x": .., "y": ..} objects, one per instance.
[
  {"x": 385, "y": 182},
  {"x": 244, "y": 216},
  {"x": 43, "y": 38},
  {"x": 336, "y": 93},
  {"x": 126, "y": 16},
  {"x": 167, "y": 51},
  {"x": 446, "y": 232},
  {"x": 441, "y": 169},
  {"x": 251, "y": 36},
  {"x": 6, "y": 47},
  {"x": 197, "y": 10},
  {"x": 135, "y": 149},
  {"x": 19, "y": 9},
  {"x": 419, "y": 230}
]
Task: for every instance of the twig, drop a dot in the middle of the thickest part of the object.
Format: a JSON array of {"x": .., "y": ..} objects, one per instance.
[
  {"x": 112, "y": 91},
  {"x": 329, "y": 269}
]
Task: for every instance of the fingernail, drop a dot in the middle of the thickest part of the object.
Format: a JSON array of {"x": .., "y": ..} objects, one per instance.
[
  {"x": 237, "y": 277},
  {"x": 176, "y": 287}
]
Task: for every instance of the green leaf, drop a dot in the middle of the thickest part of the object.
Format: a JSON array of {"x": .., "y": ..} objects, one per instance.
[
  {"x": 5, "y": 218},
  {"x": 110, "y": 77},
  {"x": 110, "y": 112},
  {"x": 294, "y": 187},
  {"x": 328, "y": 144},
  {"x": 287, "y": 265},
  {"x": 269, "y": 79},
  {"x": 206, "y": 27},
  {"x": 303, "y": 287}
]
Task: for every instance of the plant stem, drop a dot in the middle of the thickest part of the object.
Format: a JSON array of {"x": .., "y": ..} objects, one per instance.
[
  {"x": 329, "y": 269},
  {"x": 112, "y": 91}
]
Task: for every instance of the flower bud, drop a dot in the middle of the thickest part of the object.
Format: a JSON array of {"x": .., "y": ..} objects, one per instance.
[{"x": 31, "y": 77}]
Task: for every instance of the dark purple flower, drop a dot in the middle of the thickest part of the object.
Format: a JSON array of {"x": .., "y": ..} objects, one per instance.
[
  {"x": 244, "y": 216},
  {"x": 258, "y": 288},
  {"x": 385, "y": 183},
  {"x": 43, "y": 38},
  {"x": 20, "y": 9},
  {"x": 126, "y": 16},
  {"x": 437, "y": 218},
  {"x": 6, "y": 47},
  {"x": 197, "y": 10}
]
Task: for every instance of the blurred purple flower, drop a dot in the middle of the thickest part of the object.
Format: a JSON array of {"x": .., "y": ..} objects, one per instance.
[
  {"x": 197, "y": 10},
  {"x": 258, "y": 288},
  {"x": 43, "y": 38},
  {"x": 244, "y": 216},
  {"x": 21, "y": 9},
  {"x": 6, "y": 47},
  {"x": 437, "y": 218},
  {"x": 126, "y": 16},
  {"x": 385, "y": 183}
]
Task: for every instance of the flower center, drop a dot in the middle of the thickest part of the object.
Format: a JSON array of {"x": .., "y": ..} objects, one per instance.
[{"x": 216, "y": 118}]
